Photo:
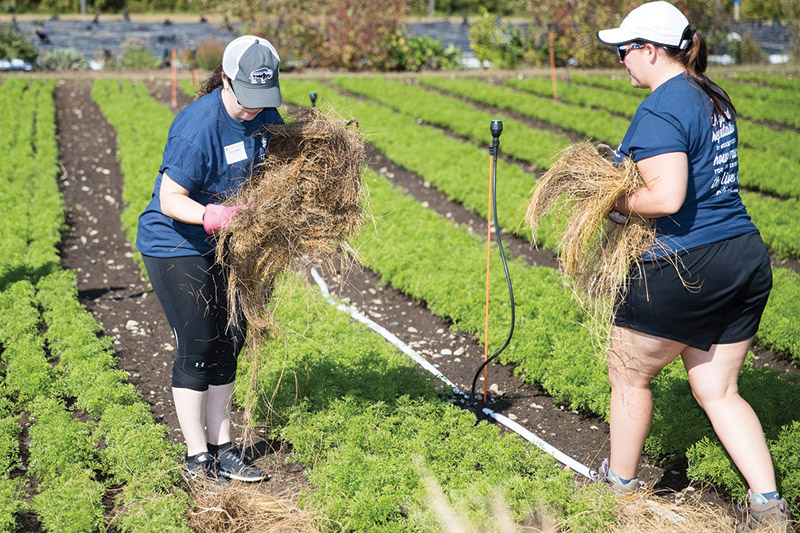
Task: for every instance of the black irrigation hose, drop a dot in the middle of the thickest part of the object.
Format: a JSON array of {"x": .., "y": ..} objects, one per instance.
[{"x": 496, "y": 129}]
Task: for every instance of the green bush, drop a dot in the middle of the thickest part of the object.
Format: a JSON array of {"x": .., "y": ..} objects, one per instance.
[
  {"x": 500, "y": 44},
  {"x": 65, "y": 59},
  {"x": 461, "y": 7},
  {"x": 209, "y": 54},
  {"x": 14, "y": 45},
  {"x": 137, "y": 57},
  {"x": 339, "y": 34},
  {"x": 709, "y": 461},
  {"x": 414, "y": 53},
  {"x": 746, "y": 50}
]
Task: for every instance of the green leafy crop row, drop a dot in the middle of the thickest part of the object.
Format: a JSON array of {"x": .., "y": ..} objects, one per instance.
[
  {"x": 28, "y": 185},
  {"x": 142, "y": 125},
  {"x": 63, "y": 452},
  {"x": 596, "y": 124},
  {"x": 31, "y": 223},
  {"x": 22, "y": 352},
  {"x": 782, "y": 82},
  {"x": 617, "y": 102},
  {"x": 136, "y": 457},
  {"x": 68, "y": 364},
  {"x": 520, "y": 140},
  {"x": 768, "y": 104}
]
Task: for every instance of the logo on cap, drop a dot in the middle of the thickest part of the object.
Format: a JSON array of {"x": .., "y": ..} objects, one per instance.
[{"x": 261, "y": 76}]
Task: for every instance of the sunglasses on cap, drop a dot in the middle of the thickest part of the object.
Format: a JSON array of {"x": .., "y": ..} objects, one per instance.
[{"x": 623, "y": 49}]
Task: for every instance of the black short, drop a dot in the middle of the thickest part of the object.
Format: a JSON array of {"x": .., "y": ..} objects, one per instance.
[{"x": 715, "y": 296}]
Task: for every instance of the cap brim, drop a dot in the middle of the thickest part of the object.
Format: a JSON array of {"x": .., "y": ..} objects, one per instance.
[
  {"x": 616, "y": 36},
  {"x": 257, "y": 97}
]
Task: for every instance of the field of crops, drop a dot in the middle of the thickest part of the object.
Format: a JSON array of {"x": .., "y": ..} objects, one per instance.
[{"x": 367, "y": 428}]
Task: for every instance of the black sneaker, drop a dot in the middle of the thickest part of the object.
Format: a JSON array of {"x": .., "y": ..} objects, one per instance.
[
  {"x": 200, "y": 467},
  {"x": 243, "y": 453},
  {"x": 230, "y": 465}
]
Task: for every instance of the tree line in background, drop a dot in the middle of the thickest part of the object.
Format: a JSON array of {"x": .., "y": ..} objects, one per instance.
[
  {"x": 749, "y": 9},
  {"x": 372, "y": 34}
]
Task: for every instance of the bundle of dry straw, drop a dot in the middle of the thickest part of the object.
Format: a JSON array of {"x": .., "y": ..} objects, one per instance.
[
  {"x": 247, "y": 507},
  {"x": 304, "y": 202},
  {"x": 580, "y": 188}
]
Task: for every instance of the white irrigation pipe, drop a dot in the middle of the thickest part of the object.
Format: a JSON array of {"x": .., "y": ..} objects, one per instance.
[{"x": 502, "y": 419}]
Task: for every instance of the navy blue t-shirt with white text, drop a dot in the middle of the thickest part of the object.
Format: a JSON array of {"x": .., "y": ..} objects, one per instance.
[
  {"x": 678, "y": 117},
  {"x": 210, "y": 154}
]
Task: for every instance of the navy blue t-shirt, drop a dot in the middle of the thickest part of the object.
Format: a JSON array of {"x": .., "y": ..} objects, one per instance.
[
  {"x": 678, "y": 117},
  {"x": 210, "y": 154}
]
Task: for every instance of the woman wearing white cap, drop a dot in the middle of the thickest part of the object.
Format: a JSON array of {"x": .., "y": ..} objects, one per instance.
[
  {"x": 212, "y": 147},
  {"x": 706, "y": 282}
]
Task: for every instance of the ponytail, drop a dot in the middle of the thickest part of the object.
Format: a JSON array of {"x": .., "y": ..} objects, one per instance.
[{"x": 695, "y": 58}]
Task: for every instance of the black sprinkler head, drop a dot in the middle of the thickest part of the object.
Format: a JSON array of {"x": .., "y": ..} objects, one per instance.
[
  {"x": 496, "y": 128},
  {"x": 313, "y": 96}
]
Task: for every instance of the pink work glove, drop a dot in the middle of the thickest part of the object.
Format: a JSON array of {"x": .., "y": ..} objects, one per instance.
[{"x": 218, "y": 216}]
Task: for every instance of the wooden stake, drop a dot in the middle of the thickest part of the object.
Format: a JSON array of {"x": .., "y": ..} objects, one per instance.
[
  {"x": 488, "y": 261},
  {"x": 174, "y": 78},
  {"x": 553, "y": 65}
]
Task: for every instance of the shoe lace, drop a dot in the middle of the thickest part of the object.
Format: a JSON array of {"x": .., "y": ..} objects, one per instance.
[{"x": 235, "y": 459}]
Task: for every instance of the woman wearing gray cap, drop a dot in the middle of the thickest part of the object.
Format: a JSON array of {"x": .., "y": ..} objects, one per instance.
[
  {"x": 212, "y": 147},
  {"x": 706, "y": 281}
]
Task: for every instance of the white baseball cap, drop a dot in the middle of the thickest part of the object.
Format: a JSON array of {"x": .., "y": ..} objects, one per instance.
[
  {"x": 655, "y": 22},
  {"x": 253, "y": 66}
]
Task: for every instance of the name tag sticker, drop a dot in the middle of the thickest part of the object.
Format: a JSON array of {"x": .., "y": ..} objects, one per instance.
[{"x": 235, "y": 153}]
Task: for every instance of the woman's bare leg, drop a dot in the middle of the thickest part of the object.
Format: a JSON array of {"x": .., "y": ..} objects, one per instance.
[
  {"x": 218, "y": 413},
  {"x": 634, "y": 359},
  {"x": 714, "y": 377},
  {"x": 190, "y": 406}
]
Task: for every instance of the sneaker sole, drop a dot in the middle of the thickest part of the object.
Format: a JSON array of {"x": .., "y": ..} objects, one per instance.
[{"x": 251, "y": 479}]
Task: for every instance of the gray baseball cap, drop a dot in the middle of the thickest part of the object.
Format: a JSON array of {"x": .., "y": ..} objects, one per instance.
[{"x": 253, "y": 65}]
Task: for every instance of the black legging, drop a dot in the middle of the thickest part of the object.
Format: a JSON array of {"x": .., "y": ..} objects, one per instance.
[{"x": 193, "y": 292}]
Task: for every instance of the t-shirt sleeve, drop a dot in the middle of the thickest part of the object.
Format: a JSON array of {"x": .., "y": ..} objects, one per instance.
[
  {"x": 656, "y": 135},
  {"x": 185, "y": 164}
]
